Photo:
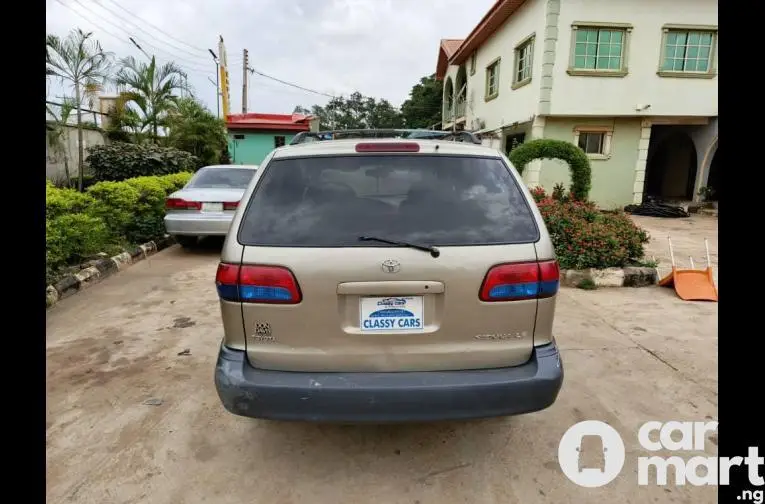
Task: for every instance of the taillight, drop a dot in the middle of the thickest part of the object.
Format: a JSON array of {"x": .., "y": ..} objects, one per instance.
[
  {"x": 257, "y": 284},
  {"x": 181, "y": 204},
  {"x": 230, "y": 205},
  {"x": 388, "y": 147},
  {"x": 514, "y": 282}
]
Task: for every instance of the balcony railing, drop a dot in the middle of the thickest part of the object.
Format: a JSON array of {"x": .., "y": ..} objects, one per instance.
[
  {"x": 448, "y": 114},
  {"x": 460, "y": 106}
]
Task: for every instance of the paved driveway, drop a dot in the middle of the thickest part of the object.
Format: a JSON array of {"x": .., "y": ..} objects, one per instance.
[{"x": 631, "y": 355}]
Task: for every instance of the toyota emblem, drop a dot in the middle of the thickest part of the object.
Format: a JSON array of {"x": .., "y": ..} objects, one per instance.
[{"x": 391, "y": 266}]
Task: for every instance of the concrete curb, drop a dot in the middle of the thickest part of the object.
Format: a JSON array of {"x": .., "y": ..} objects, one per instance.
[
  {"x": 632, "y": 276},
  {"x": 103, "y": 268}
]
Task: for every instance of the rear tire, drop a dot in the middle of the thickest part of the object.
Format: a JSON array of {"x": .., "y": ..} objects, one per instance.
[{"x": 186, "y": 241}]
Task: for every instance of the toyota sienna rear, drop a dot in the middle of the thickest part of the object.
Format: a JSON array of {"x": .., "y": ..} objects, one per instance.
[{"x": 387, "y": 280}]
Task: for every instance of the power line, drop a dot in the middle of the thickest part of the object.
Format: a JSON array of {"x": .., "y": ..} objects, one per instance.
[
  {"x": 146, "y": 32},
  {"x": 252, "y": 70},
  {"x": 172, "y": 56},
  {"x": 156, "y": 27}
]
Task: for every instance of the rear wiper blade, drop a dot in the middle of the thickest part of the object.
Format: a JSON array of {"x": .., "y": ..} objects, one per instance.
[{"x": 425, "y": 248}]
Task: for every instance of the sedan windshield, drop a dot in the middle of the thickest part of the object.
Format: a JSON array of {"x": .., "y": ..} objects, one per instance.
[{"x": 221, "y": 178}]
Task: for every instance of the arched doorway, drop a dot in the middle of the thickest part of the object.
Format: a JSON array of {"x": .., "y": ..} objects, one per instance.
[
  {"x": 460, "y": 91},
  {"x": 671, "y": 166},
  {"x": 713, "y": 181},
  {"x": 448, "y": 99}
]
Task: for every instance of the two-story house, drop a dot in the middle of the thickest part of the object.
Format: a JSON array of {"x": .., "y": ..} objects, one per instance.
[{"x": 632, "y": 82}]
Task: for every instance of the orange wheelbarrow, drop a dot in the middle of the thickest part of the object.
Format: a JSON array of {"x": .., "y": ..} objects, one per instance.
[{"x": 691, "y": 284}]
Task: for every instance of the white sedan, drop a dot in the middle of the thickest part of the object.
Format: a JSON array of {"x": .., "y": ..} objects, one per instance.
[{"x": 206, "y": 204}]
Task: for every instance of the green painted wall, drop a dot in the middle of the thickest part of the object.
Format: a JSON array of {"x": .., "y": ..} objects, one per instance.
[
  {"x": 612, "y": 178},
  {"x": 255, "y": 146}
]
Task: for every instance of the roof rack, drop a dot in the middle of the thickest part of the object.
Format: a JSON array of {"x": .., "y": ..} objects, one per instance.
[{"x": 412, "y": 134}]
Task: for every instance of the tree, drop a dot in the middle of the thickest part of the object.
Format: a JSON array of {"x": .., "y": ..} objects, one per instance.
[
  {"x": 423, "y": 107},
  {"x": 80, "y": 61},
  {"x": 357, "y": 112},
  {"x": 151, "y": 89},
  {"x": 57, "y": 133},
  {"x": 195, "y": 129}
]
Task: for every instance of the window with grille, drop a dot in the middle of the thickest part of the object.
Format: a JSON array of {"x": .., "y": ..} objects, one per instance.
[
  {"x": 599, "y": 49},
  {"x": 688, "y": 51},
  {"x": 492, "y": 80},
  {"x": 523, "y": 57}
]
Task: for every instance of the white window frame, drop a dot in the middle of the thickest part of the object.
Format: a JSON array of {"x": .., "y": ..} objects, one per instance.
[
  {"x": 527, "y": 43},
  {"x": 606, "y": 131}
]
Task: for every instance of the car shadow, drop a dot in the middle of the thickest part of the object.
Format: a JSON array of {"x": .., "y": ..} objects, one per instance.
[{"x": 207, "y": 245}]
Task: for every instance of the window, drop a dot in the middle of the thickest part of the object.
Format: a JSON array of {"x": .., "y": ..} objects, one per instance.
[
  {"x": 599, "y": 50},
  {"x": 492, "y": 80},
  {"x": 688, "y": 51},
  {"x": 472, "y": 63},
  {"x": 279, "y": 141},
  {"x": 436, "y": 200},
  {"x": 595, "y": 141},
  {"x": 591, "y": 142},
  {"x": 221, "y": 178},
  {"x": 523, "y": 62}
]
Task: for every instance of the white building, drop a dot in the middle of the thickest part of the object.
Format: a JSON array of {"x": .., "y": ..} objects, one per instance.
[{"x": 632, "y": 82}]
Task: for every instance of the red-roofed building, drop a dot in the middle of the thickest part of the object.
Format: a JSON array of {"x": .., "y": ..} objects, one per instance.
[{"x": 253, "y": 136}]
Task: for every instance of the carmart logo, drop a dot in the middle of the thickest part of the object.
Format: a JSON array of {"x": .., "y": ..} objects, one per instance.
[
  {"x": 573, "y": 452},
  {"x": 591, "y": 454}
]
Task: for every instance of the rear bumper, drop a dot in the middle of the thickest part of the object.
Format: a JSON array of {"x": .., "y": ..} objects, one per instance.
[
  {"x": 388, "y": 397},
  {"x": 198, "y": 224}
]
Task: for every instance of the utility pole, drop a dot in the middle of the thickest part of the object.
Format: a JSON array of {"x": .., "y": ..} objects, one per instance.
[
  {"x": 244, "y": 83},
  {"x": 217, "y": 81}
]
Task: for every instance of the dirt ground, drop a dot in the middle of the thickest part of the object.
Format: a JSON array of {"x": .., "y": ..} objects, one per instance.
[{"x": 130, "y": 420}]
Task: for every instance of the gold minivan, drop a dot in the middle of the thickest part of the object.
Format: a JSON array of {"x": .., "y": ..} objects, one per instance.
[{"x": 387, "y": 280}]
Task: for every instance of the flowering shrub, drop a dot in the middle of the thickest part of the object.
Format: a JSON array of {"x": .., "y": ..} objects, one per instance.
[{"x": 585, "y": 237}]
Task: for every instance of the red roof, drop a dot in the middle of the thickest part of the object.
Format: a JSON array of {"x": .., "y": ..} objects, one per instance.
[
  {"x": 491, "y": 22},
  {"x": 446, "y": 50},
  {"x": 279, "y": 122}
]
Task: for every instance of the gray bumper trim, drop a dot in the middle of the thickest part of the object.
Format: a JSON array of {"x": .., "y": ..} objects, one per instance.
[{"x": 388, "y": 397}]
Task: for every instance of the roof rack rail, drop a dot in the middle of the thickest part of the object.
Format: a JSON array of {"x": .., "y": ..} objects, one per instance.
[{"x": 412, "y": 134}]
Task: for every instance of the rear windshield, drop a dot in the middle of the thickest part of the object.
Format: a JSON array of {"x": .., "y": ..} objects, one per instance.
[
  {"x": 432, "y": 200},
  {"x": 221, "y": 178}
]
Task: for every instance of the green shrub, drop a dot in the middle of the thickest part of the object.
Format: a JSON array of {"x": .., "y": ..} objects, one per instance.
[
  {"x": 107, "y": 215},
  {"x": 120, "y": 161},
  {"x": 71, "y": 238},
  {"x": 585, "y": 237},
  {"x": 545, "y": 148},
  {"x": 65, "y": 201}
]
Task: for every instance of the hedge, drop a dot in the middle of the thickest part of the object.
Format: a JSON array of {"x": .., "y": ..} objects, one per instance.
[
  {"x": 545, "y": 148},
  {"x": 108, "y": 216},
  {"x": 121, "y": 161}
]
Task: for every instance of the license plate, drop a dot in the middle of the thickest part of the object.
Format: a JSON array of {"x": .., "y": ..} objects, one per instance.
[
  {"x": 212, "y": 207},
  {"x": 391, "y": 314}
]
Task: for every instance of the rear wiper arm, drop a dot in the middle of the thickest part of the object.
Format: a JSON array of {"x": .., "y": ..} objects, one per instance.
[{"x": 425, "y": 248}]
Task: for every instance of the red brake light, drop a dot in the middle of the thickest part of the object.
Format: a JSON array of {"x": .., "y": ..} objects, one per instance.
[
  {"x": 181, "y": 204},
  {"x": 514, "y": 282},
  {"x": 257, "y": 284},
  {"x": 230, "y": 205},
  {"x": 388, "y": 147}
]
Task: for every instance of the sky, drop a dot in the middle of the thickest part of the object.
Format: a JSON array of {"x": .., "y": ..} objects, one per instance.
[{"x": 380, "y": 48}]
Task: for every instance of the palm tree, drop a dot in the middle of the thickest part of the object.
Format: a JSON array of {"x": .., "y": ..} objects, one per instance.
[
  {"x": 57, "y": 133},
  {"x": 151, "y": 89},
  {"x": 80, "y": 61}
]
